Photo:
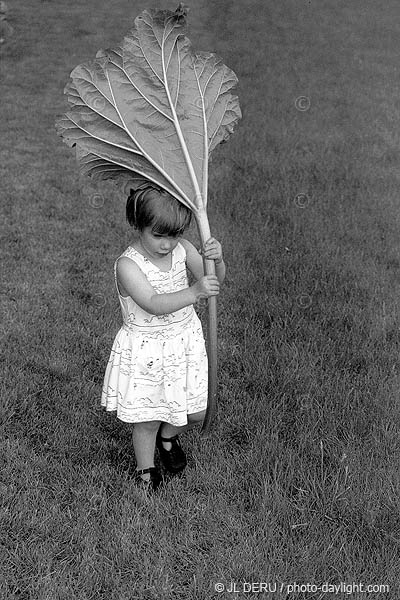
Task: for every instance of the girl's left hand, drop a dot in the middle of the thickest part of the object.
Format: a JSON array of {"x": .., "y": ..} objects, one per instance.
[{"x": 212, "y": 250}]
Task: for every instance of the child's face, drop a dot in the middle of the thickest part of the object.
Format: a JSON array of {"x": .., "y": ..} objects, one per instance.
[{"x": 157, "y": 245}]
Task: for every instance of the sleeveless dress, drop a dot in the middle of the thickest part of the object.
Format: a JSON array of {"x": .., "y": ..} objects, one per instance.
[{"x": 158, "y": 368}]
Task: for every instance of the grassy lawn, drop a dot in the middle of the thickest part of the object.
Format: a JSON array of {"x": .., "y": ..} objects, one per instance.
[{"x": 299, "y": 481}]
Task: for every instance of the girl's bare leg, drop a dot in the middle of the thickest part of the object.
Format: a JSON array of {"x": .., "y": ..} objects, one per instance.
[
  {"x": 168, "y": 431},
  {"x": 144, "y": 443}
]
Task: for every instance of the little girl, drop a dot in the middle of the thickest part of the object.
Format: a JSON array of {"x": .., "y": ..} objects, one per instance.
[{"x": 156, "y": 377}]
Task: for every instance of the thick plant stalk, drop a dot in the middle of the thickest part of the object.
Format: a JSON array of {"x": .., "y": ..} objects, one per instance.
[
  {"x": 209, "y": 269},
  {"x": 212, "y": 365}
]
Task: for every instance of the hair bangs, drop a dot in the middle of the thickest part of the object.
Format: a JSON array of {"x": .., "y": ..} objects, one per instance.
[
  {"x": 159, "y": 210},
  {"x": 170, "y": 216}
]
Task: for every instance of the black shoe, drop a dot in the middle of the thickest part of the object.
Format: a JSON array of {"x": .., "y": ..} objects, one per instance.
[
  {"x": 152, "y": 483},
  {"x": 174, "y": 460}
]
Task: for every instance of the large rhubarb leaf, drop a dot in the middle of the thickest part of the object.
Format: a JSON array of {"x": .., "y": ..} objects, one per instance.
[{"x": 151, "y": 107}]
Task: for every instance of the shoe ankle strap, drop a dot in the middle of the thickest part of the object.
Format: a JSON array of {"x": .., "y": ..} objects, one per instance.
[
  {"x": 145, "y": 471},
  {"x": 171, "y": 439}
]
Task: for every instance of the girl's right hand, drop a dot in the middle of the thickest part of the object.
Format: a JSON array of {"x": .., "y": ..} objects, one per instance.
[{"x": 206, "y": 286}]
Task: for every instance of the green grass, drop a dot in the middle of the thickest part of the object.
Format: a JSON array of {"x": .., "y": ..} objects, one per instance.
[{"x": 299, "y": 480}]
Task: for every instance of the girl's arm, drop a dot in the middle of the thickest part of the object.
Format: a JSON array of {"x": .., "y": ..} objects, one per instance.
[
  {"x": 134, "y": 282},
  {"x": 212, "y": 250}
]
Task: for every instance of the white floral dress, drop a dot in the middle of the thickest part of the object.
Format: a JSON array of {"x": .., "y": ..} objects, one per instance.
[{"x": 158, "y": 368}]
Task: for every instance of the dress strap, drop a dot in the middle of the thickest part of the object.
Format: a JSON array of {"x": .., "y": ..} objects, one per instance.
[{"x": 180, "y": 253}]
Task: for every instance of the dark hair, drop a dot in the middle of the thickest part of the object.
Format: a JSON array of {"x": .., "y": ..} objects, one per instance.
[{"x": 155, "y": 208}]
